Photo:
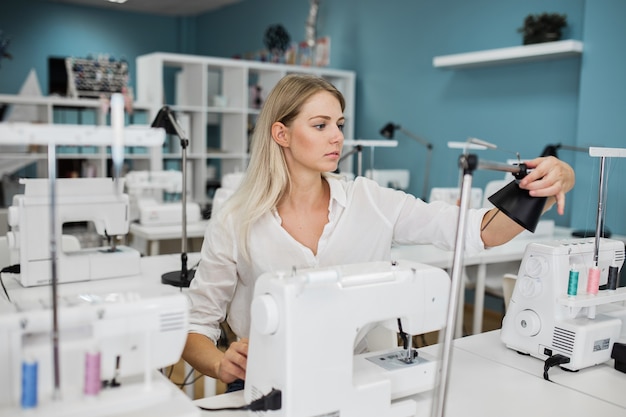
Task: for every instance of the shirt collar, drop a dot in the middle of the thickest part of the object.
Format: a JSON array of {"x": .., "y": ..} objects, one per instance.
[{"x": 337, "y": 192}]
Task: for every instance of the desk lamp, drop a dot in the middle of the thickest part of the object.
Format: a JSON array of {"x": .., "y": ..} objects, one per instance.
[
  {"x": 166, "y": 120},
  {"x": 526, "y": 216},
  {"x": 388, "y": 130}
]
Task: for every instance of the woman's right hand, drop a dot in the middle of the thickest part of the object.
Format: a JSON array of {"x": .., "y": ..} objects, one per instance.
[{"x": 234, "y": 362}]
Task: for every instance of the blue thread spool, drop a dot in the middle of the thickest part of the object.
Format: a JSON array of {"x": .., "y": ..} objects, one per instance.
[
  {"x": 29, "y": 384},
  {"x": 572, "y": 284}
]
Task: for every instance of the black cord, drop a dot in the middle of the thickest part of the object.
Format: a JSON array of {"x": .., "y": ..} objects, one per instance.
[
  {"x": 553, "y": 360},
  {"x": 13, "y": 269},
  {"x": 270, "y": 401}
]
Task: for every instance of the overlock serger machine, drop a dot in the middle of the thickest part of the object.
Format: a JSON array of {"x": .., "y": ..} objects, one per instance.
[
  {"x": 110, "y": 348},
  {"x": 553, "y": 311},
  {"x": 99, "y": 200},
  {"x": 304, "y": 329}
]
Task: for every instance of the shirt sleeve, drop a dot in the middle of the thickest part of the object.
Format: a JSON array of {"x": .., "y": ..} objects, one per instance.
[
  {"x": 418, "y": 222},
  {"x": 214, "y": 282}
]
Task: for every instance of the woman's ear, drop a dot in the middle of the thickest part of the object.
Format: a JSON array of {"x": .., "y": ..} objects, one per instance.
[{"x": 280, "y": 134}]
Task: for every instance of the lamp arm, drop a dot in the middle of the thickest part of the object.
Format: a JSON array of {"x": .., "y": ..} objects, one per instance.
[
  {"x": 179, "y": 130},
  {"x": 429, "y": 158},
  {"x": 517, "y": 170},
  {"x": 416, "y": 138},
  {"x": 573, "y": 148}
]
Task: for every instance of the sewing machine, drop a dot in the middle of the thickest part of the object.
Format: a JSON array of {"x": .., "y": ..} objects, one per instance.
[
  {"x": 99, "y": 200},
  {"x": 304, "y": 330},
  {"x": 543, "y": 320},
  {"x": 153, "y": 198},
  {"x": 110, "y": 347}
]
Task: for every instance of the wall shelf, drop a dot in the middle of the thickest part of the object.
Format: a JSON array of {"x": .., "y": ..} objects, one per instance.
[{"x": 515, "y": 54}]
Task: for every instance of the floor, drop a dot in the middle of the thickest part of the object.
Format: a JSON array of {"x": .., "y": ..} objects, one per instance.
[{"x": 492, "y": 320}]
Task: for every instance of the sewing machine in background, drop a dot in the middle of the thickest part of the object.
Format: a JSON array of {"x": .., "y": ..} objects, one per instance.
[
  {"x": 155, "y": 198},
  {"x": 99, "y": 200},
  {"x": 305, "y": 324},
  {"x": 111, "y": 346},
  {"x": 543, "y": 320}
]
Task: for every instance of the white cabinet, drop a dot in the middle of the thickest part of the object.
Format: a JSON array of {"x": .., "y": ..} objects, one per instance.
[
  {"x": 215, "y": 101},
  {"x": 49, "y": 109}
]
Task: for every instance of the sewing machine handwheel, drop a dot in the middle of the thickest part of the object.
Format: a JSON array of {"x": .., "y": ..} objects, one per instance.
[{"x": 265, "y": 312}]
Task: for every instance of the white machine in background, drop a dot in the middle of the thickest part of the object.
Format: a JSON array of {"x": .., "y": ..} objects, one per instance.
[
  {"x": 542, "y": 320},
  {"x": 155, "y": 198},
  {"x": 111, "y": 346},
  {"x": 99, "y": 200},
  {"x": 303, "y": 331}
]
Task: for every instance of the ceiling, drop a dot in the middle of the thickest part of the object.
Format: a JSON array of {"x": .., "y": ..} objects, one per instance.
[{"x": 160, "y": 7}]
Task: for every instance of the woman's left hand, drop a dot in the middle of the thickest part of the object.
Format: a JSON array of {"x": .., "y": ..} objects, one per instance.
[{"x": 550, "y": 177}]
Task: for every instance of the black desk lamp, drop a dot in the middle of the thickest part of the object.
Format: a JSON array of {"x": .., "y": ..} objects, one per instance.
[
  {"x": 166, "y": 120},
  {"x": 388, "y": 130},
  {"x": 525, "y": 210}
]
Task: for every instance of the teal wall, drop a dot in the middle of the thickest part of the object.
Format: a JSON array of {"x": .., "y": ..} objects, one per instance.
[{"x": 390, "y": 45}]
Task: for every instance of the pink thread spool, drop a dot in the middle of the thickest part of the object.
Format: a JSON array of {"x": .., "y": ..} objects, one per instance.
[
  {"x": 92, "y": 373},
  {"x": 593, "y": 280}
]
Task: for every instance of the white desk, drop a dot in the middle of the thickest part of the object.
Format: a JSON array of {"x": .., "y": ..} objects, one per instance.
[
  {"x": 481, "y": 384},
  {"x": 601, "y": 381},
  {"x": 151, "y": 236},
  {"x": 511, "y": 251}
]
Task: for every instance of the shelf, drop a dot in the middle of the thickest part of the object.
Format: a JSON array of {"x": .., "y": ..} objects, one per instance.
[{"x": 515, "y": 54}]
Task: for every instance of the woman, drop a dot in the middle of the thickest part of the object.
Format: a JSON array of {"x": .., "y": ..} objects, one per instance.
[{"x": 290, "y": 212}]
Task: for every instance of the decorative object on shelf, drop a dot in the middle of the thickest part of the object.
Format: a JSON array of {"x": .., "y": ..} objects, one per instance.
[
  {"x": 310, "y": 29},
  {"x": 4, "y": 45},
  {"x": 544, "y": 27},
  {"x": 89, "y": 77},
  {"x": 276, "y": 40}
]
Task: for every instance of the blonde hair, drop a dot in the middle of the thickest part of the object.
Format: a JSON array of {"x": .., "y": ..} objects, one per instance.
[{"x": 267, "y": 178}]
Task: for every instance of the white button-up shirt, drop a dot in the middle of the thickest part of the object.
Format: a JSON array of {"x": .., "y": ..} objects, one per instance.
[{"x": 364, "y": 220}]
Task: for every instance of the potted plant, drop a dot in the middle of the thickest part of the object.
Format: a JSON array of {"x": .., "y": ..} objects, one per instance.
[{"x": 544, "y": 27}]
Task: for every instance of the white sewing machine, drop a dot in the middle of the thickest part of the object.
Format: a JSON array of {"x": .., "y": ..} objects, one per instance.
[
  {"x": 542, "y": 320},
  {"x": 153, "y": 198},
  {"x": 303, "y": 331},
  {"x": 100, "y": 200},
  {"x": 110, "y": 347}
]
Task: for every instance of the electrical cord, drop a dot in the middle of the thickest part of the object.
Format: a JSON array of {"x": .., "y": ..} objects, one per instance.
[
  {"x": 270, "y": 401},
  {"x": 13, "y": 269},
  {"x": 553, "y": 360}
]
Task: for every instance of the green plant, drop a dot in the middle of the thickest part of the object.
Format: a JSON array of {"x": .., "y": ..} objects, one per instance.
[{"x": 544, "y": 27}]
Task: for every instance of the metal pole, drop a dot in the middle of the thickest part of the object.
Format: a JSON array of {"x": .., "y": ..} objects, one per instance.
[
  {"x": 53, "y": 271},
  {"x": 468, "y": 164}
]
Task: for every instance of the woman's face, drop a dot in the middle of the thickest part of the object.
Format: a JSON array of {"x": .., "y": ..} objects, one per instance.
[{"x": 314, "y": 139}]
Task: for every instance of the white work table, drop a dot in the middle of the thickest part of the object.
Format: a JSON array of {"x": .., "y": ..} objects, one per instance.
[
  {"x": 511, "y": 251},
  {"x": 146, "y": 238},
  {"x": 152, "y": 267},
  {"x": 488, "y": 380}
]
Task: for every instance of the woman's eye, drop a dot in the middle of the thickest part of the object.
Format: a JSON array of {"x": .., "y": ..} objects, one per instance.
[
  {"x": 340, "y": 127},
  {"x": 320, "y": 126}
]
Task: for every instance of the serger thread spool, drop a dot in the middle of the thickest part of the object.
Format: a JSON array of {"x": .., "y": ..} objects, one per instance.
[
  {"x": 29, "y": 383},
  {"x": 611, "y": 283},
  {"x": 92, "y": 373},
  {"x": 572, "y": 283},
  {"x": 593, "y": 280}
]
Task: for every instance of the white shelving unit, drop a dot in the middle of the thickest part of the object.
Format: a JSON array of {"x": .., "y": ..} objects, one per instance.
[
  {"x": 48, "y": 109},
  {"x": 515, "y": 54},
  {"x": 214, "y": 101}
]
